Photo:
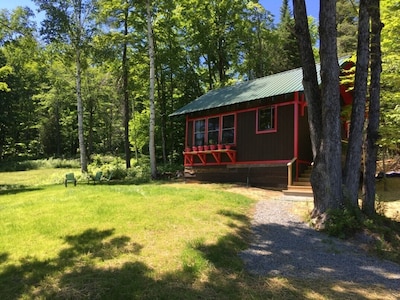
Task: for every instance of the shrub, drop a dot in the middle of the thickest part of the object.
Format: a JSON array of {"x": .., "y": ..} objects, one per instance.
[
  {"x": 343, "y": 223},
  {"x": 114, "y": 168},
  {"x": 24, "y": 165}
]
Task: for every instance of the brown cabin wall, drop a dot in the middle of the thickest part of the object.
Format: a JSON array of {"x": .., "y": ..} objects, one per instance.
[{"x": 253, "y": 147}]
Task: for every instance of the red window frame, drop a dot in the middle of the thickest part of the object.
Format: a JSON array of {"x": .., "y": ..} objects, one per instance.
[
  {"x": 220, "y": 129},
  {"x": 275, "y": 120}
]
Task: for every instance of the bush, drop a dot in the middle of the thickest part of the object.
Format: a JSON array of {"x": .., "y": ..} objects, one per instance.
[
  {"x": 343, "y": 223},
  {"x": 114, "y": 168},
  {"x": 51, "y": 163}
]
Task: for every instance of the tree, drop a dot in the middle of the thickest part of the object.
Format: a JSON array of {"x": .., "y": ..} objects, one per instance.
[
  {"x": 152, "y": 148},
  {"x": 390, "y": 104},
  {"x": 70, "y": 22},
  {"x": 368, "y": 205},
  {"x": 327, "y": 163},
  {"x": 288, "y": 47},
  {"x": 324, "y": 108},
  {"x": 258, "y": 53},
  {"x": 20, "y": 72},
  {"x": 352, "y": 166},
  {"x": 138, "y": 131},
  {"x": 347, "y": 25},
  {"x": 118, "y": 16},
  {"x": 56, "y": 110}
]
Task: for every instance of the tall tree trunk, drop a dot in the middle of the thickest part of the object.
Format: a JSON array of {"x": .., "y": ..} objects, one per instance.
[
  {"x": 324, "y": 107},
  {"x": 329, "y": 154},
  {"x": 210, "y": 76},
  {"x": 126, "y": 118},
  {"x": 352, "y": 167},
  {"x": 81, "y": 137},
  {"x": 310, "y": 81},
  {"x": 90, "y": 138},
  {"x": 58, "y": 130},
  {"x": 368, "y": 205},
  {"x": 152, "y": 149},
  {"x": 161, "y": 94}
]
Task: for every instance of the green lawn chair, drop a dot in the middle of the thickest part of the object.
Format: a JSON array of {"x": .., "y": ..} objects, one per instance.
[
  {"x": 95, "y": 178},
  {"x": 70, "y": 177}
]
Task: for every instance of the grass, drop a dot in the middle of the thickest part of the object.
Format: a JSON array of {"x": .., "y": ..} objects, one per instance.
[{"x": 150, "y": 241}]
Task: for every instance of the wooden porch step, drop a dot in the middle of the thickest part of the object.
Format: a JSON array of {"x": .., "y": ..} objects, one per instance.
[
  {"x": 302, "y": 183},
  {"x": 298, "y": 191},
  {"x": 303, "y": 179}
]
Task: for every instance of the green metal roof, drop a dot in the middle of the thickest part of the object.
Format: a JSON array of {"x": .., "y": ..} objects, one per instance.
[{"x": 269, "y": 86}]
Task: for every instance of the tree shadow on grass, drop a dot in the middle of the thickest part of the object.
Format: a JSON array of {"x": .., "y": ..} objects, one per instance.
[
  {"x": 34, "y": 277},
  {"x": 11, "y": 189},
  {"x": 3, "y": 257},
  {"x": 84, "y": 270}
]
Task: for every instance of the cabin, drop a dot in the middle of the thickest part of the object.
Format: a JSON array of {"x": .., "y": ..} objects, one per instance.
[{"x": 254, "y": 132}]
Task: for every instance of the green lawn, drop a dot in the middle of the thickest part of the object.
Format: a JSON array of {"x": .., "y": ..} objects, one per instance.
[{"x": 151, "y": 241}]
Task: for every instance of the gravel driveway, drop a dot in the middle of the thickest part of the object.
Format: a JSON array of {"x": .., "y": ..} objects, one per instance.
[{"x": 285, "y": 246}]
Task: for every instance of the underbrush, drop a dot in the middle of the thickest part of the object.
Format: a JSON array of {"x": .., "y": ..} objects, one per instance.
[
  {"x": 377, "y": 234},
  {"x": 114, "y": 168},
  {"x": 49, "y": 163}
]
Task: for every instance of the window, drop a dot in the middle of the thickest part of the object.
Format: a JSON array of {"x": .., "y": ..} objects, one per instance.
[
  {"x": 228, "y": 129},
  {"x": 266, "y": 119},
  {"x": 213, "y": 130},
  {"x": 199, "y": 132}
]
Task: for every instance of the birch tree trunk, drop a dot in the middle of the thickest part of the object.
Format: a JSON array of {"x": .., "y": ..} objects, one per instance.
[
  {"x": 127, "y": 111},
  {"x": 352, "y": 167},
  {"x": 368, "y": 204},
  {"x": 81, "y": 137},
  {"x": 153, "y": 167}
]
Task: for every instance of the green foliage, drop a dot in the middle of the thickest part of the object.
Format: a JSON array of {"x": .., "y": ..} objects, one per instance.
[
  {"x": 50, "y": 163},
  {"x": 20, "y": 74},
  {"x": 343, "y": 223},
  {"x": 139, "y": 130},
  {"x": 287, "y": 54},
  {"x": 385, "y": 235},
  {"x": 390, "y": 78},
  {"x": 114, "y": 168},
  {"x": 200, "y": 45},
  {"x": 347, "y": 26}
]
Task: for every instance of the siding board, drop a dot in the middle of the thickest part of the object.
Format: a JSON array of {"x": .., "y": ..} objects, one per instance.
[{"x": 266, "y": 146}]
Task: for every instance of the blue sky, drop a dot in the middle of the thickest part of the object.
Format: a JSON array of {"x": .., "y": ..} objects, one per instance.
[{"x": 272, "y": 5}]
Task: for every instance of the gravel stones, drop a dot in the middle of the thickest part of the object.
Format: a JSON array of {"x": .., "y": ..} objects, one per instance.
[{"x": 283, "y": 245}]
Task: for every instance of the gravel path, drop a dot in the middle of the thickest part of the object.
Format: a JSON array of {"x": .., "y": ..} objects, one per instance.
[{"x": 285, "y": 246}]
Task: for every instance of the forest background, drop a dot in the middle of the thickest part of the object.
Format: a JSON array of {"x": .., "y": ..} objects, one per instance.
[{"x": 198, "y": 47}]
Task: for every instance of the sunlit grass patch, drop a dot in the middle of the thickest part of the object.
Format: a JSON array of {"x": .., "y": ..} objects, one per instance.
[{"x": 149, "y": 241}]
